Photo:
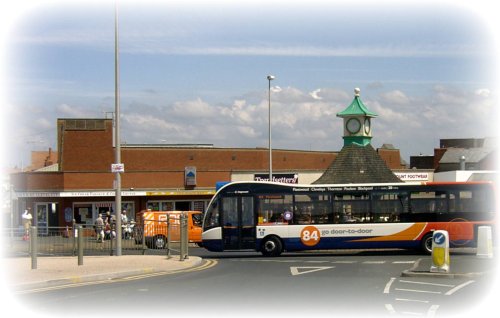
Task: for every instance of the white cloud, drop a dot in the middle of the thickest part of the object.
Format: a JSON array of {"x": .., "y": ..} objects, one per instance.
[
  {"x": 314, "y": 94},
  {"x": 483, "y": 92},
  {"x": 193, "y": 108},
  {"x": 65, "y": 110},
  {"x": 299, "y": 121},
  {"x": 395, "y": 97}
]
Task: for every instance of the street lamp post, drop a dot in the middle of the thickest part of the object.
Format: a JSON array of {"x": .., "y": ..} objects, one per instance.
[
  {"x": 270, "y": 78},
  {"x": 118, "y": 182}
]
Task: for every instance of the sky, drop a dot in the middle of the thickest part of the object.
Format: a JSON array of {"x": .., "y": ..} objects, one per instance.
[{"x": 196, "y": 72}]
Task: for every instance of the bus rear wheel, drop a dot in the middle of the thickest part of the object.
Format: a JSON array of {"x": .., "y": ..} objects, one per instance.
[
  {"x": 271, "y": 246},
  {"x": 426, "y": 244}
]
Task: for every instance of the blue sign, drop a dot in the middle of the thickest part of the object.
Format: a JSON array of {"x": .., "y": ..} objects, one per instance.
[{"x": 438, "y": 238}]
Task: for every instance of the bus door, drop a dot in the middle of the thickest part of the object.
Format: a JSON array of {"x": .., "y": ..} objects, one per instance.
[{"x": 238, "y": 219}]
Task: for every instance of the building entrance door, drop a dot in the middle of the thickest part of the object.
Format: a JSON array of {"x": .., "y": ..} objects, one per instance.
[{"x": 42, "y": 218}]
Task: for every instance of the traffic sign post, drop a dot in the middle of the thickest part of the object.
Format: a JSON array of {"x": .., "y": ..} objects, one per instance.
[{"x": 440, "y": 252}]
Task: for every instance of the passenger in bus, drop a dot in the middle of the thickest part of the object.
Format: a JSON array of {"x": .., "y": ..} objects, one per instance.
[
  {"x": 304, "y": 217},
  {"x": 347, "y": 216}
]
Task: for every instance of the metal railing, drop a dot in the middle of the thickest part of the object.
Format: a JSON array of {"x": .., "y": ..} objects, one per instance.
[{"x": 162, "y": 237}]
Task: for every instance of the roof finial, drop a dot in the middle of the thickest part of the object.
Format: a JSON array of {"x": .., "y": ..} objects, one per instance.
[{"x": 357, "y": 91}]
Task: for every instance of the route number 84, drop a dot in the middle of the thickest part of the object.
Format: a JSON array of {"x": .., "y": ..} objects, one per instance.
[{"x": 310, "y": 236}]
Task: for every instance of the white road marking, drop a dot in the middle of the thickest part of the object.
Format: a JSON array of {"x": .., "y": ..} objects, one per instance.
[
  {"x": 411, "y": 313},
  {"x": 374, "y": 262},
  {"x": 432, "y": 311},
  {"x": 450, "y": 292},
  {"x": 413, "y": 300},
  {"x": 403, "y": 262},
  {"x": 308, "y": 269},
  {"x": 344, "y": 262},
  {"x": 418, "y": 291},
  {"x": 390, "y": 308},
  {"x": 424, "y": 283},
  {"x": 388, "y": 285}
]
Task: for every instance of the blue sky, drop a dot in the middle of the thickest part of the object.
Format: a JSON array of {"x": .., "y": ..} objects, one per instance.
[{"x": 192, "y": 72}]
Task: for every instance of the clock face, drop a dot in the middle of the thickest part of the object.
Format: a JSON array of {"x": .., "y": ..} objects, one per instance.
[
  {"x": 353, "y": 125},
  {"x": 367, "y": 125}
]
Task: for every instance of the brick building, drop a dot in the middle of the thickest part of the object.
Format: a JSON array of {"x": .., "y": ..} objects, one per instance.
[{"x": 79, "y": 183}]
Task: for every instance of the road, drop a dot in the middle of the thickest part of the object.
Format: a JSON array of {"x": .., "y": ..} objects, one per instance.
[{"x": 235, "y": 284}]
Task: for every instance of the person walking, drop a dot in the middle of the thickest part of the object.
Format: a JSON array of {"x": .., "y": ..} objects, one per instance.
[
  {"x": 99, "y": 228},
  {"x": 27, "y": 217}
]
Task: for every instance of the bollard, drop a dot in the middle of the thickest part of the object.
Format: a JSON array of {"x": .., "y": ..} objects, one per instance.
[
  {"x": 143, "y": 234},
  {"x": 484, "y": 242},
  {"x": 440, "y": 252},
  {"x": 169, "y": 256},
  {"x": 184, "y": 236},
  {"x": 110, "y": 240},
  {"x": 34, "y": 246},
  {"x": 80, "y": 245},
  {"x": 74, "y": 236}
]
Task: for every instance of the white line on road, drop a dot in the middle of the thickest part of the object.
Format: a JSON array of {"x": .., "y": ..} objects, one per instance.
[
  {"x": 411, "y": 313},
  {"x": 432, "y": 311},
  {"x": 308, "y": 269},
  {"x": 317, "y": 262},
  {"x": 413, "y": 300},
  {"x": 388, "y": 285},
  {"x": 424, "y": 283},
  {"x": 344, "y": 262},
  {"x": 403, "y": 262},
  {"x": 459, "y": 287},
  {"x": 390, "y": 308},
  {"x": 374, "y": 262},
  {"x": 418, "y": 291}
]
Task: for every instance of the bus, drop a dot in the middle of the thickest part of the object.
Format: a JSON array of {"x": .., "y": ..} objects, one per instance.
[{"x": 273, "y": 217}]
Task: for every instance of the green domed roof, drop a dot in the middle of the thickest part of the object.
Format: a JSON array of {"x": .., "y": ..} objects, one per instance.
[{"x": 356, "y": 108}]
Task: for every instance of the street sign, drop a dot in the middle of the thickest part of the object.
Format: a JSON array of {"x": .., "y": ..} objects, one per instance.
[
  {"x": 440, "y": 252},
  {"x": 117, "y": 167}
]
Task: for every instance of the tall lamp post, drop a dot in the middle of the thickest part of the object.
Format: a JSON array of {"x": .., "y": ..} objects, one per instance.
[
  {"x": 270, "y": 78},
  {"x": 118, "y": 182}
]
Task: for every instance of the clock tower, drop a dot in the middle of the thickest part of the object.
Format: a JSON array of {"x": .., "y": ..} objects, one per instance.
[{"x": 357, "y": 122}]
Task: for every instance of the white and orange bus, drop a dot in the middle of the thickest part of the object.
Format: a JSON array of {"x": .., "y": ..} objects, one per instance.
[{"x": 274, "y": 217}]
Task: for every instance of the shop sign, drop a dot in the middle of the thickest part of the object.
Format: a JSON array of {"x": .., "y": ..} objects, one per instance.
[
  {"x": 412, "y": 176},
  {"x": 291, "y": 178},
  {"x": 190, "y": 176}
]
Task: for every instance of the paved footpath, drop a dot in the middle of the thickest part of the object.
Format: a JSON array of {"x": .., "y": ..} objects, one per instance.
[{"x": 54, "y": 271}]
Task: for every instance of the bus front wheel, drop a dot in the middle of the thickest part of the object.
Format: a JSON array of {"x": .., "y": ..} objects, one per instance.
[{"x": 271, "y": 246}]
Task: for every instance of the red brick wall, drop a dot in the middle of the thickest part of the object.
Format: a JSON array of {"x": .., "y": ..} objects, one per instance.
[{"x": 391, "y": 157}]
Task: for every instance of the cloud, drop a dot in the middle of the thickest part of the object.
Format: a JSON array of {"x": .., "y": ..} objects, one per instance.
[
  {"x": 395, "y": 97},
  {"x": 65, "y": 110},
  {"x": 314, "y": 94},
  {"x": 410, "y": 122}
]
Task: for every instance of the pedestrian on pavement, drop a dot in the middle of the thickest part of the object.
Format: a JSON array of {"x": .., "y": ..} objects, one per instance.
[
  {"x": 124, "y": 224},
  {"x": 99, "y": 228},
  {"x": 27, "y": 217}
]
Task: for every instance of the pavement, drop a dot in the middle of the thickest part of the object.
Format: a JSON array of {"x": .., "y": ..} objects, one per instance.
[
  {"x": 468, "y": 265},
  {"x": 57, "y": 271}
]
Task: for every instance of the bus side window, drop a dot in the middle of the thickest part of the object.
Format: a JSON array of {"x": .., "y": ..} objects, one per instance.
[{"x": 387, "y": 207}]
